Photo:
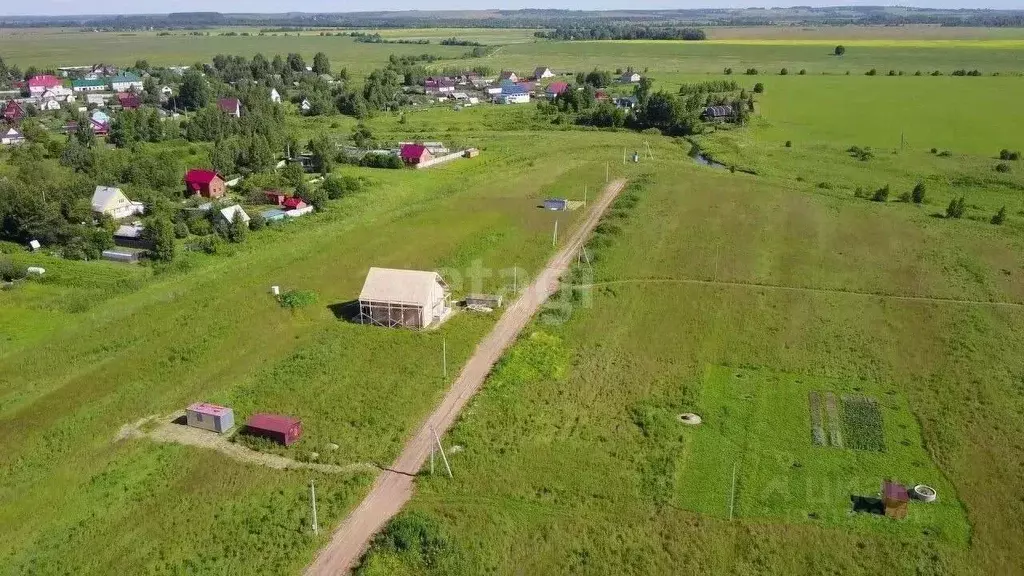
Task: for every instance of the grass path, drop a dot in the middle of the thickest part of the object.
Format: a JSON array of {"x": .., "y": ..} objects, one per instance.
[
  {"x": 805, "y": 289},
  {"x": 393, "y": 487}
]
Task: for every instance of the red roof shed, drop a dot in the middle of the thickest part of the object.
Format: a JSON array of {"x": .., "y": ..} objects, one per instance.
[
  {"x": 414, "y": 153},
  {"x": 556, "y": 88},
  {"x": 293, "y": 203},
  {"x": 230, "y": 106},
  {"x": 275, "y": 196},
  {"x": 283, "y": 429}
]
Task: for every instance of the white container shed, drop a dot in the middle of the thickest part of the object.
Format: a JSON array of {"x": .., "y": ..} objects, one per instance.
[{"x": 211, "y": 417}]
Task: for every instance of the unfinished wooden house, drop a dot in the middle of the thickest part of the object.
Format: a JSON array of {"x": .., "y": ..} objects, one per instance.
[{"x": 404, "y": 298}]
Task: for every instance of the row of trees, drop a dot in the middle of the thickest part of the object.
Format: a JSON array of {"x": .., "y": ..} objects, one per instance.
[{"x": 623, "y": 32}]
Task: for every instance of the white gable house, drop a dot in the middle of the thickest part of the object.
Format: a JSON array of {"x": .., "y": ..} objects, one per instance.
[
  {"x": 11, "y": 138},
  {"x": 112, "y": 202},
  {"x": 234, "y": 211},
  {"x": 404, "y": 298},
  {"x": 275, "y": 96}
]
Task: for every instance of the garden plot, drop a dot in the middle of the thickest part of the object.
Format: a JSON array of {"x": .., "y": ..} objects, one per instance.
[{"x": 756, "y": 422}]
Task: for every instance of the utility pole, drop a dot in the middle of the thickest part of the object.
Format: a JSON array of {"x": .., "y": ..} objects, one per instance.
[
  {"x": 441, "y": 448},
  {"x": 554, "y": 238},
  {"x": 584, "y": 196},
  {"x": 732, "y": 498},
  {"x": 444, "y": 356},
  {"x": 606, "y": 172},
  {"x": 903, "y": 140},
  {"x": 312, "y": 499},
  {"x": 515, "y": 280}
]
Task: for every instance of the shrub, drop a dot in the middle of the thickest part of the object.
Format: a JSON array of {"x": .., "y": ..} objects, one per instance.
[
  {"x": 881, "y": 195},
  {"x": 209, "y": 244},
  {"x": 956, "y": 208},
  {"x": 759, "y": 88},
  {"x": 295, "y": 299},
  {"x": 1002, "y": 167},
  {"x": 918, "y": 193},
  {"x": 905, "y": 197},
  {"x": 892, "y": 72},
  {"x": 376, "y": 160},
  {"x": 789, "y": 143},
  {"x": 999, "y": 217},
  {"x": 200, "y": 227},
  {"x": 862, "y": 154},
  {"x": 784, "y": 72},
  {"x": 1005, "y": 154},
  {"x": 803, "y": 72},
  {"x": 872, "y": 72},
  {"x": 859, "y": 193},
  {"x": 180, "y": 230},
  {"x": 839, "y": 50},
  {"x": 9, "y": 271},
  {"x": 935, "y": 150},
  {"x": 918, "y": 73},
  {"x": 945, "y": 154},
  {"x": 257, "y": 222},
  {"x": 751, "y": 72},
  {"x": 728, "y": 71}
]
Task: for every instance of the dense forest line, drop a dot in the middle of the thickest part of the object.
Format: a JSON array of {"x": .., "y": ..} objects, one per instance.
[{"x": 795, "y": 16}]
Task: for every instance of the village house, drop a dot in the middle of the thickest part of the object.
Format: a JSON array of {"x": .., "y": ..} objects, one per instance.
[
  {"x": 717, "y": 113},
  {"x": 629, "y": 77},
  {"x": 234, "y": 211},
  {"x": 98, "y": 100},
  {"x": 515, "y": 94},
  {"x": 132, "y": 236},
  {"x": 627, "y": 102},
  {"x": 100, "y": 117},
  {"x": 438, "y": 85},
  {"x": 13, "y": 112},
  {"x": 413, "y": 154},
  {"x": 112, "y": 202},
  {"x": 275, "y": 96},
  {"x": 129, "y": 101},
  {"x": 305, "y": 106},
  {"x": 205, "y": 183},
  {"x": 39, "y": 84},
  {"x": 230, "y": 106},
  {"x": 93, "y": 85},
  {"x": 542, "y": 72},
  {"x": 508, "y": 75},
  {"x": 166, "y": 91},
  {"x": 49, "y": 105},
  {"x": 404, "y": 298},
  {"x": 125, "y": 83},
  {"x": 12, "y": 137},
  {"x": 555, "y": 88}
]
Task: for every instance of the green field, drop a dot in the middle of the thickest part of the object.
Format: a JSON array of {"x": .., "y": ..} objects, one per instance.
[
  {"x": 573, "y": 458},
  {"x": 732, "y": 295}
]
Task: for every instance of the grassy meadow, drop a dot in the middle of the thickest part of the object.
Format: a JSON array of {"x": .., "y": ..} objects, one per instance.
[
  {"x": 752, "y": 293},
  {"x": 731, "y": 295},
  {"x": 110, "y": 345}
]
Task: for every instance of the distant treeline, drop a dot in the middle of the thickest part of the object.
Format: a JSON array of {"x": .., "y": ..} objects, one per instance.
[
  {"x": 549, "y": 19},
  {"x": 623, "y": 32}
]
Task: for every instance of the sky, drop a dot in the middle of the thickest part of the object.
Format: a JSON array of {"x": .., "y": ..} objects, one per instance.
[{"x": 62, "y": 7}]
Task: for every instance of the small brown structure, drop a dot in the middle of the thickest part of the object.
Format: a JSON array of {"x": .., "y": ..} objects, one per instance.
[
  {"x": 281, "y": 429},
  {"x": 895, "y": 499}
]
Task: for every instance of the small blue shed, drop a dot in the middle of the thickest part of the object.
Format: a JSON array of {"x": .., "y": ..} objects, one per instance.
[
  {"x": 273, "y": 215},
  {"x": 556, "y": 204}
]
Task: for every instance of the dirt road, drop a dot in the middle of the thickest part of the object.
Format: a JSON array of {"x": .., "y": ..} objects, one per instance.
[{"x": 393, "y": 488}]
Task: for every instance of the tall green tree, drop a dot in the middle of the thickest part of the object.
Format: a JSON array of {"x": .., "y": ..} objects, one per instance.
[
  {"x": 160, "y": 232},
  {"x": 323, "y": 152},
  {"x": 321, "y": 65},
  {"x": 918, "y": 194},
  {"x": 194, "y": 92}
]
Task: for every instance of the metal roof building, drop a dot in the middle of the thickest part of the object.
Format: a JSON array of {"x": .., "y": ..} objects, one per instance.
[
  {"x": 210, "y": 417},
  {"x": 282, "y": 429},
  {"x": 403, "y": 298}
]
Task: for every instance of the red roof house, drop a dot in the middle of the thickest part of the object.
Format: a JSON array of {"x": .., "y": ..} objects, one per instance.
[
  {"x": 413, "y": 154},
  {"x": 205, "y": 183},
  {"x": 13, "y": 112},
  {"x": 100, "y": 128},
  {"x": 39, "y": 84},
  {"x": 275, "y": 197},
  {"x": 230, "y": 106},
  {"x": 129, "y": 101},
  {"x": 293, "y": 203},
  {"x": 556, "y": 88},
  {"x": 283, "y": 429}
]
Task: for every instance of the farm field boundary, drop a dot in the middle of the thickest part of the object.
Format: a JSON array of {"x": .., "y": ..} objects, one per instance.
[{"x": 805, "y": 289}]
